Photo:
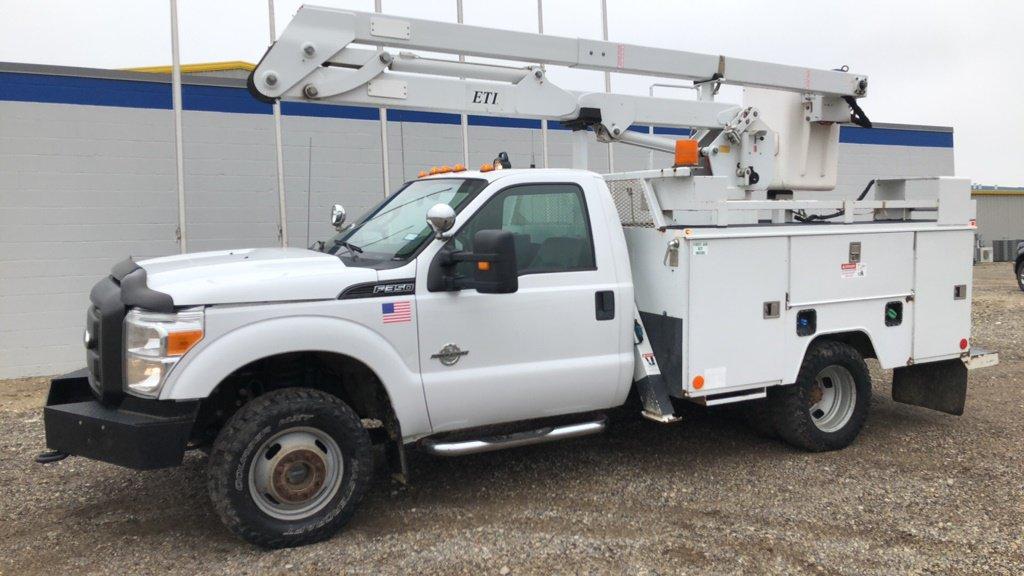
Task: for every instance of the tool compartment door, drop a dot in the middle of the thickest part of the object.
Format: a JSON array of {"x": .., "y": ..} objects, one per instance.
[
  {"x": 846, "y": 267},
  {"x": 942, "y": 316},
  {"x": 730, "y": 340}
]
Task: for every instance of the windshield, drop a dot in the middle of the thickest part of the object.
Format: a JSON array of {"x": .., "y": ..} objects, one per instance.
[{"x": 397, "y": 228}]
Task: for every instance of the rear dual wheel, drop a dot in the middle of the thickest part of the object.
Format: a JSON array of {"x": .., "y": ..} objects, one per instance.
[{"x": 827, "y": 406}]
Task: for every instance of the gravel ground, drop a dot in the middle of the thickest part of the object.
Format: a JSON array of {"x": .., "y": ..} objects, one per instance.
[{"x": 919, "y": 492}]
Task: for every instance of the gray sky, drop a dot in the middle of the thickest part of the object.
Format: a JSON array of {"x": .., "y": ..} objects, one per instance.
[{"x": 943, "y": 62}]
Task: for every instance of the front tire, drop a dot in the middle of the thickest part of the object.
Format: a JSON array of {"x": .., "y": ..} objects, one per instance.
[
  {"x": 1020, "y": 274},
  {"x": 289, "y": 468},
  {"x": 827, "y": 406}
]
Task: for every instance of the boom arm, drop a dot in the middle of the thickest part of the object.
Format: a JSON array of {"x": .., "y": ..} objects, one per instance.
[{"x": 315, "y": 60}]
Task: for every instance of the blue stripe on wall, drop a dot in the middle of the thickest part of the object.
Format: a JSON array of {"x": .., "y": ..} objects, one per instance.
[
  {"x": 425, "y": 117},
  {"x": 78, "y": 90},
  {"x": 20, "y": 87},
  {"x": 501, "y": 122},
  {"x": 220, "y": 99},
  {"x": 328, "y": 111},
  {"x": 893, "y": 137}
]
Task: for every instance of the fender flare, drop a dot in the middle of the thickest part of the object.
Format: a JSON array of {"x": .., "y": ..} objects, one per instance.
[
  {"x": 886, "y": 361},
  {"x": 205, "y": 367}
]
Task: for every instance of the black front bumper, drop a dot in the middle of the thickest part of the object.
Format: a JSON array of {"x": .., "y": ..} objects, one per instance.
[{"x": 139, "y": 434}]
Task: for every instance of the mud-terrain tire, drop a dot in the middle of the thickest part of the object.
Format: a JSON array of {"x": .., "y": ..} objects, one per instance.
[
  {"x": 827, "y": 406},
  {"x": 289, "y": 468}
]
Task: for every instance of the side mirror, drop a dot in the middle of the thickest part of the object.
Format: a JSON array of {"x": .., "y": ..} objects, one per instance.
[
  {"x": 338, "y": 217},
  {"x": 495, "y": 254},
  {"x": 317, "y": 246},
  {"x": 494, "y": 266},
  {"x": 441, "y": 218}
]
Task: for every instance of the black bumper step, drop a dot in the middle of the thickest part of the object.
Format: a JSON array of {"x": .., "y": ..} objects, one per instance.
[{"x": 139, "y": 434}]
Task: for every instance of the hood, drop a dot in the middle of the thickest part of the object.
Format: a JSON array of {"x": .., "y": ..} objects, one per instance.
[{"x": 252, "y": 275}]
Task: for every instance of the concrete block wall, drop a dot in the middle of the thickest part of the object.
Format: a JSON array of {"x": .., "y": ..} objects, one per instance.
[
  {"x": 87, "y": 177},
  {"x": 1000, "y": 217},
  {"x": 81, "y": 187}
]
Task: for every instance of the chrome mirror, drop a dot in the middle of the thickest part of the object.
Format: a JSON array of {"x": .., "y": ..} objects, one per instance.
[
  {"x": 338, "y": 217},
  {"x": 441, "y": 218}
]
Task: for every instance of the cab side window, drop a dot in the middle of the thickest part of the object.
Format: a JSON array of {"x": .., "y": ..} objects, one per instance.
[{"x": 548, "y": 221}]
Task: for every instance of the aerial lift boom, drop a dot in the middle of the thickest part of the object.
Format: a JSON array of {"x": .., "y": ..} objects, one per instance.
[{"x": 317, "y": 59}]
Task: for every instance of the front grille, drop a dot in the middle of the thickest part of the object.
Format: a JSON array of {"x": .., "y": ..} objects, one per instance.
[{"x": 104, "y": 354}]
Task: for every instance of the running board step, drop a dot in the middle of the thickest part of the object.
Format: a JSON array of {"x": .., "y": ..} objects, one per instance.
[
  {"x": 729, "y": 398},
  {"x": 488, "y": 444}
]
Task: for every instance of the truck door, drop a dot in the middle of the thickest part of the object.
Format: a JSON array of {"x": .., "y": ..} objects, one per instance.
[{"x": 544, "y": 350}]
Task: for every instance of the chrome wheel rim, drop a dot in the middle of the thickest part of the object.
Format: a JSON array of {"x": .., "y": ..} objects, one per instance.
[
  {"x": 833, "y": 398},
  {"x": 295, "y": 473}
]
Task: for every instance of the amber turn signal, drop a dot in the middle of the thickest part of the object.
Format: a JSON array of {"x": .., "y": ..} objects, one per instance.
[{"x": 179, "y": 342}]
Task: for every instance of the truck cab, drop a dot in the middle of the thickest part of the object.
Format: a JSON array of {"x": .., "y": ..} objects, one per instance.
[
  {"x": 548, "y": 347},
  {"x": 511, "y": 303}
]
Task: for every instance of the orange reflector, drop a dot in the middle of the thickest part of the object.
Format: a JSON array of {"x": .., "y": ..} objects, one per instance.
[
  {"x": 483, "y": 266},
  {"x": 687, "y": 153},
  {"x": 179, "y": 342},
  {"x": 486, "y": 168},
  {"x": 458, "y": 168},
  {"x": 422, "y": 173},
  {"x": 698, "y": 382}
]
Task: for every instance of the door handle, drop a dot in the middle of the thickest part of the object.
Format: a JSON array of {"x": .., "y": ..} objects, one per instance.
[{"x": 604, "y": 303}]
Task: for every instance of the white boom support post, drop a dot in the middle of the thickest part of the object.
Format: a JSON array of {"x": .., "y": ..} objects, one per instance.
[
  {"x": 384, "y": 159},
  {"x": 543, "y": 122},
  {"x": 464, "y": 119},
  {"x": 179, "y": 155},
  {"x": 607, "y": 78},
  {"x": 282, "y": 229}
]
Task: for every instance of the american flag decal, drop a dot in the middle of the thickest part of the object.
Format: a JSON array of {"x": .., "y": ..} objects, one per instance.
[{"x": 392, "y": 312}]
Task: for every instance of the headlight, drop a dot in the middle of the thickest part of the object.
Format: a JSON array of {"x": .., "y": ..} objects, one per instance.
[{"x": 154, "y": 343}]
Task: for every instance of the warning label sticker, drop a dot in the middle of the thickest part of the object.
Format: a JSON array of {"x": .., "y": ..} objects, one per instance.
[
  {"x": 700, "y": 248},
  {"x": 853, "y": 270}
]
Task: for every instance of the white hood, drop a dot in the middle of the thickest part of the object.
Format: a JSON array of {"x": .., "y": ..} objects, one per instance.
[{"x": 252, "y": 275}]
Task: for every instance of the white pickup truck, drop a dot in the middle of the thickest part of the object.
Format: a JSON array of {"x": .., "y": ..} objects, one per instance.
[
  {"x": 477, "y": 310},
  {"x": 513, "y": 307}
]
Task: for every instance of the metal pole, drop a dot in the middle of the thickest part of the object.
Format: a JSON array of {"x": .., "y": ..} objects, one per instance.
[
  {"x": 465, "y": 118},
  {"x": 607, "y": 79},
  {"x": 580, "y": 149},
  {"x": 543, "y": 123},
  {"x": 650, "y": 131},
  {"x": 176, "y": 105},
  {"x": 282, "y": 227},
  {"x": 386, "y": 173}
]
